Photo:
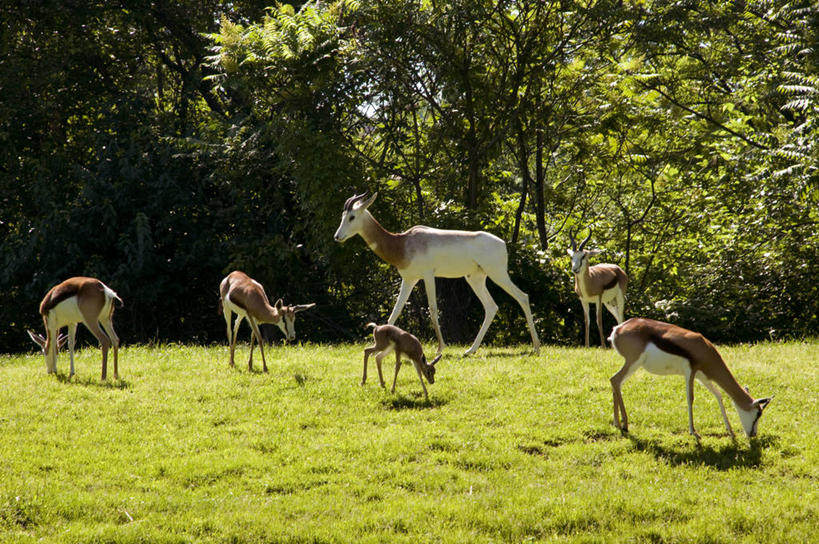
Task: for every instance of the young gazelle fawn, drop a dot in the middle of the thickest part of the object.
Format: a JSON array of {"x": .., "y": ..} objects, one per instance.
[
  {"x": 244, "y": 296},
  {"x": 390, "y": 338},
  {"x": 424, "y": 253},
  {"x": 74, "y": 301},
  {"x": 601, "y": 284},
  {"x": 662, "y": 348}
]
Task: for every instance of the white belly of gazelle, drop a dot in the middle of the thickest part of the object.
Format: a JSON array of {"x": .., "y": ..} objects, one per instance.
[{"x": 661, "y": 362}]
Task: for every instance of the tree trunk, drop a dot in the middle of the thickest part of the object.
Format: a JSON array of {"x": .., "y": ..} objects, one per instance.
[
  {"x": 526, "y": 179},
  {"x": 540, "y": 213}
]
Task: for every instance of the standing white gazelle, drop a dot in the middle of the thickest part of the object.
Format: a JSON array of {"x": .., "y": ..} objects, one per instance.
[
  {"x": 424, "y": 253},
  {"x": 662, "y": 348},
  {"x": 78, "y": 300},
  {"x": 601, "y": 284},
  {"x": 244, "y": 296}
]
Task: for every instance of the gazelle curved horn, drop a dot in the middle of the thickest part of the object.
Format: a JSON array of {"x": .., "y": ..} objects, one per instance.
[
  {"x": 353, "y": 199},
  {"x": 572, "y": 240},
  {"x": 583, "y": 243},
  {"x": 438, "y": 358}
]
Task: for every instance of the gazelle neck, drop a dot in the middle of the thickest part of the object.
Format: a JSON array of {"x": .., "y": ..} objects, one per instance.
[
  {"x": 387, "y": 245},
  {"x": 742, "y": 400},
  {"x": 582, "y": 280}
]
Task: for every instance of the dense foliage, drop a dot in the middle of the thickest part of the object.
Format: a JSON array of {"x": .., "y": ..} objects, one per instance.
[{"x": 160, "y": 146}]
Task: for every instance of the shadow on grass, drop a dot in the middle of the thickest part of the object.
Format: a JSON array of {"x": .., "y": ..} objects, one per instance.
[
  {"x": 93, "y": 381},
  {"x": 494, "y": 353},
  {"x": 416, "y": 402},
  {"x": 731, "y": 454}
]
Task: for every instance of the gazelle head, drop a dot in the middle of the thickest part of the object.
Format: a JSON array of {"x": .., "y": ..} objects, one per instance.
[
  {"x": 429, "y": 368},
  {"x": 287, "y": 323},
  {"x": 750, "y": 417},
  {"x": 40, "y": 340},
  {"x": 579, "y": 255},
  {"x": 353, "y": 215}
]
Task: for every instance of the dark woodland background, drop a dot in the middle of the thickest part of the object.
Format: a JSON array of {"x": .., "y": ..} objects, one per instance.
[{"x": 160, "y": 145}]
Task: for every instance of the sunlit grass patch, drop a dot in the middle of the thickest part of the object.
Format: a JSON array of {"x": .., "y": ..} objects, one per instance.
[{"x": 511, "y": 447}]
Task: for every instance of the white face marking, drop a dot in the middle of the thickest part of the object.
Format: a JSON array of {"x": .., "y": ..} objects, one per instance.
[
  {"x": 287, "y": 323},
  {"x": 749, "y": 419},
  {"x": 290, "y": 321},
  {"x": 350, "y": 223},
  {"x": 578, "y": 259}
]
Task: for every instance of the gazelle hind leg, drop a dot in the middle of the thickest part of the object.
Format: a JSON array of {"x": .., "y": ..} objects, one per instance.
[
  {"x": 52, "y": 347},
  {"x": 234, "y": 336},
  {"x": 108, "y": 327},
  {"x": 689, "y": 395},
  {"x": 72, "y": 341},
  {"x": 477, "y": 282},
  {"x": 367, "y": 352},
  {"x": 104, "y": 341},
  {"x": 227, "y": 315},
  {"x": 501, "y": 277}
]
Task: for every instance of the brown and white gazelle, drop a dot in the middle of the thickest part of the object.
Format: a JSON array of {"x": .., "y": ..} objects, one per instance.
[
  {"x": 662, "y": 348},
  {"x": 424, "y": 253},
  {"x": 244, "y": 296},
  {"x": 601, "y": 284},
  {"x": 388, "y": 338},
  {"x": 78, "y": 300}
]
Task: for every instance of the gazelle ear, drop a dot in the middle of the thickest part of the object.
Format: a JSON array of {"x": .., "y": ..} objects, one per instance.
[
  {"x": 36, "y": 338},
  {"x": 594, "y": 252},
  {"x": 302, "y": 307},
  {"x": 279, "y": 304},
  {"x": 570, "y": 251},
  {"x": 762, "y": 403},
  {"x": 438, "y": 358},
  {"x": 366, "y": 204}
]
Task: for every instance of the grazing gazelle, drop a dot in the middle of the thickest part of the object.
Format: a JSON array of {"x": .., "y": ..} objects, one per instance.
[
  {"x": 424, "y": 253},
  {"x": 601, "y": 284},
  {"x": 241, "y": 294},
  {"x": 74, "y": 301},
  {"x": 388, "y": 338},
  {"x": 662, "y": 348}
]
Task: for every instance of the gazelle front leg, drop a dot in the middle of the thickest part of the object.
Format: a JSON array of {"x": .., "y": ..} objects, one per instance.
[
  {"x": 586, "y": 319},
  {"x": 403, "y": 295},
  {"x": 619, "y": 407},
  {"x": 600, "y": 320},
  {"x": 421, "y": 377},
  {"x": 715, "y": 391},
  {"x": 432, "y": 301},
  {"x": 397, "y": 368},
  {"x": 259, "y": 339}
]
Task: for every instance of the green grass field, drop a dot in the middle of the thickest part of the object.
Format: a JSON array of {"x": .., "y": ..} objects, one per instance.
[{"x": 511, "y": 448}]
